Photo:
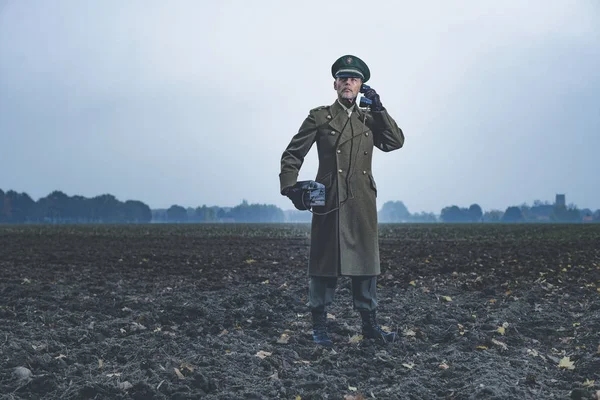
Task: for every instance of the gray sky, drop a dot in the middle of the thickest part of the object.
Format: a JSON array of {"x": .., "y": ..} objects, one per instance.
[{"x": 193, "y": 102}]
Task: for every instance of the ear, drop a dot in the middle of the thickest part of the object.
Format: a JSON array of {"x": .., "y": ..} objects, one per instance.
[{"x": 335, "y": 85}]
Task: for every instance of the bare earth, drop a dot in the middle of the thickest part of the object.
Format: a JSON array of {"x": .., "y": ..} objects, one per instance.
[{"x": 219, "y": 312}]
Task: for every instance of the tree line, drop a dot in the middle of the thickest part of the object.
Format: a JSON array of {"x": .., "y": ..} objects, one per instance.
[
  {"x": 539, "y": 212},
  {"x": 243, "y": 212},
  {"x": 57, "y": 207}
]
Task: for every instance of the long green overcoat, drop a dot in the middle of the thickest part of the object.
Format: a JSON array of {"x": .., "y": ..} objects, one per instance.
[{"x": 345, "y": 240}]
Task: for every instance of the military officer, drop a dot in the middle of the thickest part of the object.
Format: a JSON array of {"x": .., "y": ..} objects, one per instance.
[{"x": 344, "y": 235}]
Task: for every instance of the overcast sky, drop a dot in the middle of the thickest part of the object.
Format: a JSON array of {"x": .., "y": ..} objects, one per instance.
[{"x": 193, "y": 102}]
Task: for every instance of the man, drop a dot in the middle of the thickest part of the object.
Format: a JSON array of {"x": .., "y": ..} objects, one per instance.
[{"x": 344, "y": 236}]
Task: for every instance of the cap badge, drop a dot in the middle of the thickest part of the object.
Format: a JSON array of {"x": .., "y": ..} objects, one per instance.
[{"x": 349, "y": 60}]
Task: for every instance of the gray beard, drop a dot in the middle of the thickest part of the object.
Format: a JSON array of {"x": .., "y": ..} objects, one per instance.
[{"x": 347, "y": 100}]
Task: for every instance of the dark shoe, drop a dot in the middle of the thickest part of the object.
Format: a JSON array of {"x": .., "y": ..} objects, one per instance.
[
  {"x": 320, "y": 335},
  {"x": 371, "y": 330}
]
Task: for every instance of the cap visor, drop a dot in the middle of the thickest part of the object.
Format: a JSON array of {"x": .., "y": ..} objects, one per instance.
[{"x": 347, "y": 74}]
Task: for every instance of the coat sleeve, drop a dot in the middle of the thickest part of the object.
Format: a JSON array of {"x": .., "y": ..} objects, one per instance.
[
  {"x": 387, "y": 136},
  {"x": 294, "y": 154}
]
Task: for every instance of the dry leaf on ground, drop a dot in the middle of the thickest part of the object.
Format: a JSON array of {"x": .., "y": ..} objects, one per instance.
[
  {"x": 283, "y": 339},
  {"x": 354, "y": 397},
  {"x": 566, "y": 363},
  {"x": 178, "y": 373},
  {"x": 125, "y": 385},
  {"x": 500, "y": 344},
  {"x": 409, "y": 332},
  {"x": 263, "y": 354},
  {"x": 355, "y": 339}
]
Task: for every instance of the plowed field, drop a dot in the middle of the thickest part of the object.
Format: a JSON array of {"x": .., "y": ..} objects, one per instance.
[{"x": 219, "y": 312}]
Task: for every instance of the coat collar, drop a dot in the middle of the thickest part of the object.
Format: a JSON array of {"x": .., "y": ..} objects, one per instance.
[
  {"x": 339, "y": 120},
  {"x": 339, "y": 116}
]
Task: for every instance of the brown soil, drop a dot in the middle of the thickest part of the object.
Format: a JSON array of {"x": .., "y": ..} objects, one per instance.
[{"x": 184, "y": 312}]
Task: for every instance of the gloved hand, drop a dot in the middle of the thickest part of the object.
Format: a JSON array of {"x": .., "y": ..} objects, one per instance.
[
  {"x": 295, "y": 195},
  {"x": 372, "y": 95}
]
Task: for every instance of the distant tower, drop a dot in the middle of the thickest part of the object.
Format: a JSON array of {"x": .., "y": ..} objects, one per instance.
[{"x": 560, "y": 200}]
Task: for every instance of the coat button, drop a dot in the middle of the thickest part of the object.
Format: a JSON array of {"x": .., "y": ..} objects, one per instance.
[
  {"x": 340, "y": 171},
  {"x": 329, "y": 117},
  {"x": 366, "y": 152},
  {"x": 339, "y": 151},
  {"x": 332, "y": 133},
  {"x": 364, "y": 172},
  {"x": 366, "y": 133}
]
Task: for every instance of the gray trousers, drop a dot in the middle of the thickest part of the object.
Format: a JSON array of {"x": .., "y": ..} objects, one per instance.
[{"x": 321, "y": 292}]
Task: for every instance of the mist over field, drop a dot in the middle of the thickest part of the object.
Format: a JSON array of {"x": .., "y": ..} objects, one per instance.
[{"x": 192, "y": 102}]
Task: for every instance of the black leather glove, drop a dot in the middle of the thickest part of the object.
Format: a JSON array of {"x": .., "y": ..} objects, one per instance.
[
  {"x": 372, "y": 95},
  {"x": 295, "y": 195}
]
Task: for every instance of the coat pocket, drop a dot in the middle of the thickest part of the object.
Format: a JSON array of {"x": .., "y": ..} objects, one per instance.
[
  {"x": 325, "y": 179},
  {"x": 373, "y": 184},
  {"x": 330, "y": 193}
]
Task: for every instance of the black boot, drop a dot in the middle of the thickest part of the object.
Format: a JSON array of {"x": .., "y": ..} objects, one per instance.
[
  {"x": 371, "y": 330},
  {"x": 320, "y": 335}
]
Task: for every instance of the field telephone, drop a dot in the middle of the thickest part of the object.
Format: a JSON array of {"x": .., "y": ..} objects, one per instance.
[{"x": 364, "y": 102}]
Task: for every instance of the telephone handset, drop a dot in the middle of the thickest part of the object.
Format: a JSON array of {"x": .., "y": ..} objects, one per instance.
[{"x": 364, "y": 102}]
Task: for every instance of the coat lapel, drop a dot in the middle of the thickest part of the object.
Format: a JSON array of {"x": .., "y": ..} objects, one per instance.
[
  {"x": 358, "y": 127},
  {"x": 339, "y": 118}
]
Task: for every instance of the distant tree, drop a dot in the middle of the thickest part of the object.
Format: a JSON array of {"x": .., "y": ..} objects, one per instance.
[
  {"x": 2, "y": 217},
  {"x": 137, "y": 212},
  {"x": 596, "y": 215},
  {"x": 256, "y": 213},
  {"x": 106, "y": 208},
  {"x": 18, "y": 207},
  {"x": 512, "y": 214},
  {"x": 525, "y": 211},
  {"x": 475, "y": 213},
  {"x": 394, "y": 211},
  {"x": 79, "y": 208},
  {"x": 562, "y": 213},
  {"x": 53, "y": 208},
  {"x": 177, "y": 213},
  {"x": 206, "y": 214},
  {"x": 454, "y": 214},
  {"x": 539, "y": 203},
  {"x": 492, "y": 216}
]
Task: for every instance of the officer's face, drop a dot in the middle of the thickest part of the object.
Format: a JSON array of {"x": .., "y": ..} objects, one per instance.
[{"x": 347, "y": 88}]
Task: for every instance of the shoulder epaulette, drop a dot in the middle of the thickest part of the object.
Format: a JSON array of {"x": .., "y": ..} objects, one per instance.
[{"x": 319, "y": 108}]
